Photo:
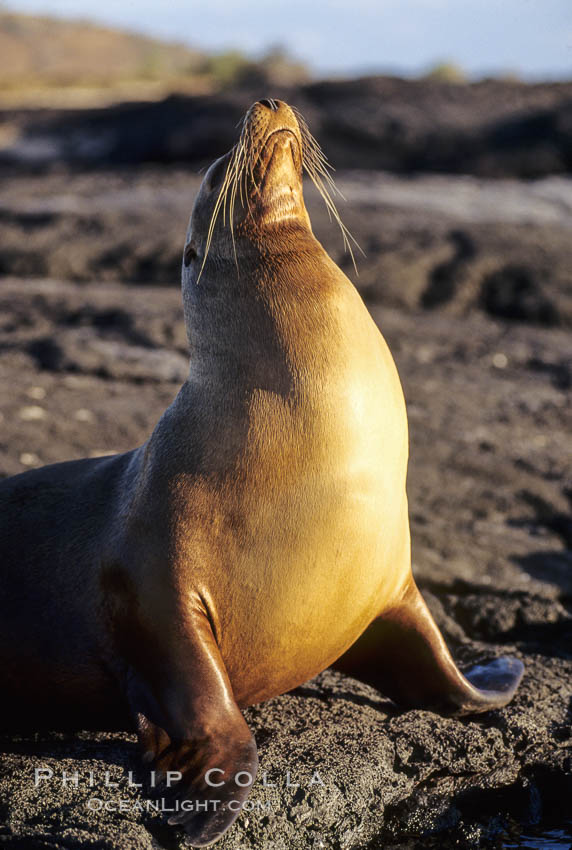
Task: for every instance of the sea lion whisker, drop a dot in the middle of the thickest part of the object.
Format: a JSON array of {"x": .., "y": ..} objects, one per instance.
[
  {"x": 246, "y": 165},
  {"x": 333, "y": 186},
  {"x": 322, "y": 168},
  {"x": 230, "y": 192},
  {"x": 308, "y": 139},
  {"x": 220, "y": 201},
  {"x": 238, "y": 170},
  {"x": 315, "y": 158},
  {"x": 322, "y": 165},
  {"x": 347, "y": 236},
  {"x": 318, "y": 169},
  {"x": 239, "y": 177},
  {"x": 243, "y": 183},
  {"x": 248, "y": 171},
  {"x": 234, "y": 184},
  {"x": 253, "y": 156}
]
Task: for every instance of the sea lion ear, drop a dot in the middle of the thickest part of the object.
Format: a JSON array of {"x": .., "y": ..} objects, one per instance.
[
  {"x": 191, "y": 728},
  {"x": 189, "y": 254}
]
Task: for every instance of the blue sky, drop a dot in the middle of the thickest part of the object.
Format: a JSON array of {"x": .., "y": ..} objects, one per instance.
[{"x": 532, "y": 37}]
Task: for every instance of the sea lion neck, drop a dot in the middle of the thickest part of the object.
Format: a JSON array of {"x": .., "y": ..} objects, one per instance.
[
  {"x": 236, "y": 313},
  {"x": 251, "y": 262}
]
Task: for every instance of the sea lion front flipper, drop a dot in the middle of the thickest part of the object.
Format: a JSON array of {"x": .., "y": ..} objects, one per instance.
[
  {"x": 403, "y": 654},
  {"x": 189, "y": 723}
]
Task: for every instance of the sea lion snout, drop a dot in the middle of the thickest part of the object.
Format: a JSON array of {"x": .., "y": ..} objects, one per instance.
[
  {"x": 255, "y": 186},
  {"x": 256, "y": 190},
  {"x": 267, "y": 117},
  {"x": 263, "y": 120}
]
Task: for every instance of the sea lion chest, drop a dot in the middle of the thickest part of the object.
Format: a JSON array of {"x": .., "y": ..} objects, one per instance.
[{"x": 293, "y": 521}]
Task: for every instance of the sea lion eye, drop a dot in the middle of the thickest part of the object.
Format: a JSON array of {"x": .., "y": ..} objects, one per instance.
[{"x": 190, "y": 254}]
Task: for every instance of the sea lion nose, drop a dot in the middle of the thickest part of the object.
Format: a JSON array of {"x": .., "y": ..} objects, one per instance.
[{"x": 269, "y": 104}]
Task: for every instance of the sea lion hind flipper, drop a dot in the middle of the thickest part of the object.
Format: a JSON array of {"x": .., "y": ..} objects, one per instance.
[
  {"x": 190, "y": 725},
  {"x": 403, "y": 654},
  {"x": 500, "y": 677}
]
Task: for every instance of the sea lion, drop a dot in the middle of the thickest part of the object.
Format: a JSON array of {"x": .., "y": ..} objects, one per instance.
[{"x": 258, "y": 536}]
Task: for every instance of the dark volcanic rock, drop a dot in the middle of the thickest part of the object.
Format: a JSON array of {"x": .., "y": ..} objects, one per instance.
[
  {"x": 340, "y": 768},
  {"x": 450, "y": 244},
  {"x": 489, "y": 488},
  {"x": 492, "y": 128},
  {"x": 512, "y": 292}
]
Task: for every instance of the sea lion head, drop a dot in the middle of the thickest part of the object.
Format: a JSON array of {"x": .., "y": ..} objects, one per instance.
[{"x": 252, "y": 197}]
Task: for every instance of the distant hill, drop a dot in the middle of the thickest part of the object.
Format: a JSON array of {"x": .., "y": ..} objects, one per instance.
[
  {"x": 51, "y": 51},
  {"x": 46, "y": 53}
]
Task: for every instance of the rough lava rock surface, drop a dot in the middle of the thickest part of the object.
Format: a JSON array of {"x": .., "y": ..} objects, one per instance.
[{"x": 87, "y": 369}]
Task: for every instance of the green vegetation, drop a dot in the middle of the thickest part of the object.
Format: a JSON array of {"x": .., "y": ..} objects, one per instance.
[
  {"x": 446, "y": 72},
  {"x": 233, "y": 68}
]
